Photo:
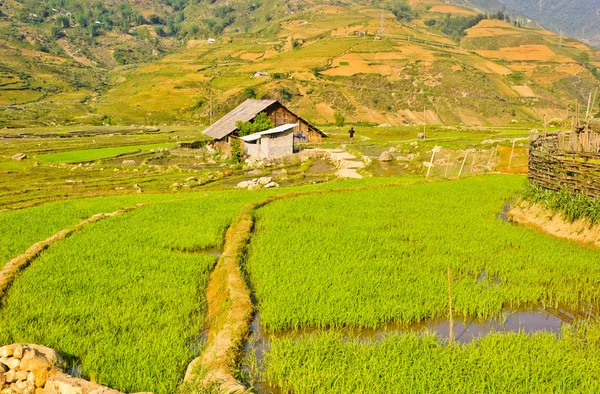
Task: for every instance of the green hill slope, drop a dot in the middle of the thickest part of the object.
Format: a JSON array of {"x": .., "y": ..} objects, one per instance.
[{"x": 434, "y": 63}]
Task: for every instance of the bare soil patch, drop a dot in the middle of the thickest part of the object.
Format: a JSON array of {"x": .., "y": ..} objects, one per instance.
[{"x": 553, "y": 223}]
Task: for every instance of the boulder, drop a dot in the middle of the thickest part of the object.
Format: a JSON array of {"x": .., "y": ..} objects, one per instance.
[
  {"x": 21, "y": 375},
  {"x": 138, "y": 188},
  {"x": 19, "y": 156},
  {"x": 386, "y": 157},
  {"x": 128, "y": 162},
  {"x": 270, "y": 185},
  {"x": 10, "y": 362},
  {"x": 254, "y": 186},
  {"x": 18, "y": 351},
  {"x": 392, "y": 149},
  {"x": 9, "y": 377},
  {"x": 264, "y": 180},
  {"x": 191, "y": 179},
  {"x": 40, "y": 377},
  {"x": 7, "y": 351},
  {"x": 421, "y": 136},
  {"x": 243, "y": 184}
]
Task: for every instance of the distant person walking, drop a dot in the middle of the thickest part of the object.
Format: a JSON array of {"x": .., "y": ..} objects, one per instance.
[{"x": 351, "y": 132}]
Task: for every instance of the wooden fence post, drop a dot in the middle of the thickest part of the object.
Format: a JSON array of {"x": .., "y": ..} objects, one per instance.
[
  {"x": 491, "y": 156},
  {"x": 463, "y": 163},
  {"x": 435, "y": 150},
  {"x": 511, "y": 154}
]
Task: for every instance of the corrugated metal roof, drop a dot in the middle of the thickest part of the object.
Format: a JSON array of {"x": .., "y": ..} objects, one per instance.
[
  {"x": 244, "y": 112},
  {"x": 275, "y": 130}
]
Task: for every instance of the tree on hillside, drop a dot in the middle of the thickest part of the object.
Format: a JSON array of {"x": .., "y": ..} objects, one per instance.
[
  {"x": 260, "y": 123},
  {"x": 339, "y": 118},
  {"x": 403, "y": 11},
  {"x": 584, "y": 59}
]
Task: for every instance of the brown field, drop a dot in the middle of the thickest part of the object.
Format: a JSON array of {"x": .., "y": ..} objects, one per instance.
[
  {"x": 494, "y": 23},
  {"x": 468, "y": 116},
  {"x": 490, "y": 32},
  {"x": 251, "y": 56},
  {"x": 450, "y": 9},
  {"x": 526, "y": 53},
  {"x": 491, "y": 67},
  {"x": 524, "y": 68},
  {"x": 551, "y": 113},
  {"x": 524, "y": 91}
]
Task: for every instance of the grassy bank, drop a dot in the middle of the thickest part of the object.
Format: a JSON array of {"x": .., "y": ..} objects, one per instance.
[
  {"x": 497, "y": 363},
  {"x": 369, "y": 257}
]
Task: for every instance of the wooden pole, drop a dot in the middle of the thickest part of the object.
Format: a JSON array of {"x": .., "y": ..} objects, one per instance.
[
  {"x": 451, "y": 334},
  {"x": 511, "y": 154},
  {"x": 463, "y": 163},
  {"x": 431, "y": 161},
  {"x": 491, "y": 156},
  {"x": 587, "y": 112}
]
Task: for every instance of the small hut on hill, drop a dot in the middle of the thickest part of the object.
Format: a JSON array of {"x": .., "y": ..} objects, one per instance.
[{"x": 226, "y": 127}]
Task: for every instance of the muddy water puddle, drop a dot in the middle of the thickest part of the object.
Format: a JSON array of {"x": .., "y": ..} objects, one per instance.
[{"x": 527, "y": 320}]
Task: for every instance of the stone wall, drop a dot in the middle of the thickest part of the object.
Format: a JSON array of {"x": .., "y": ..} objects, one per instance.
[
  {"x": 277, "y": 145},
  {"x": 35, "y": 369}
]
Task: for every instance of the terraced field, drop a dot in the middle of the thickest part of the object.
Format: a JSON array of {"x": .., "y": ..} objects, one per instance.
[
  {"x": 364, "y": 259},
  {"x": 123, "y": 299}
]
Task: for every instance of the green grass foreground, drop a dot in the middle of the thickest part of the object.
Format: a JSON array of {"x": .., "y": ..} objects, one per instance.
[
  {"x": 497, "y": 363},
  {"x": 364, "y": 258},
  {"x": 77, "y": 156},
  {"x": 124, "y": 297}
]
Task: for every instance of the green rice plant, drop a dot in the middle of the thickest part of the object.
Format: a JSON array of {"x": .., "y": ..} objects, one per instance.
[
  {"x": 369, "y": 257},
  {"x": 125, "y": 297},
  {"x": 77, "y": 156},
  {"x": 496, "y": 363}
]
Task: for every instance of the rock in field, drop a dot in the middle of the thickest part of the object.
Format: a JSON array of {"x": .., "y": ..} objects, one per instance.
[
  {"x": 264, "y": 180},
  {"x": 271, "y": 184},
  {"x": 386, "y": 157},
  {"x": 19, "y": 156},
  {"x": 128, "y": 162}
]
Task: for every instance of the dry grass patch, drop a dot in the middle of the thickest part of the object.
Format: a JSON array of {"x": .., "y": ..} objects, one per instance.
[
  {"x": 571, "y": 69},
  {"x": 491, "y": 67},
  {"x": 450, "y": 9},
  {"x": 251, "y": 56},
  {"x": 524, "y": 91}
]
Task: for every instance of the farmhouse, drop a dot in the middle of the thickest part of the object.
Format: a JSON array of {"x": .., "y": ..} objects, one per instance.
[
  {"x": 272, "y": 143},
  {"x": 277, "y": 142}
]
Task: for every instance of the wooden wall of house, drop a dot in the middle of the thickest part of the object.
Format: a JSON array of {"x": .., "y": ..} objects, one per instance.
[{"x": 281, "y": 116}]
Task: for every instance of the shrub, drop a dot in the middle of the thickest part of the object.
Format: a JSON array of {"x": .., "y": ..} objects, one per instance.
[
  {"x": 339, "y": 118},
  {"x": 260, "y": 123}
]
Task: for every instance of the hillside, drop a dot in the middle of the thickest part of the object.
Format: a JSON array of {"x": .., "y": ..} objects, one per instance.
[
  {"x": 576, "y": 18},
  {"x": 150, "y": 63}
]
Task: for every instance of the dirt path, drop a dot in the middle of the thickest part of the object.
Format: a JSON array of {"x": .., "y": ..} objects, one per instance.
[
  {"x": 346, "y": 162},
  {"x": 10, "y": 271},
  {"x": 552, "y": 223}
]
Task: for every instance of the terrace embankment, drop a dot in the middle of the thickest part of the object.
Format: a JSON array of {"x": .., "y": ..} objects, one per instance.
[
  {"x": 534, "y": 215},
  {"x": 12, "y": 268},
  {"x": 26, "y": 368},
  {"x": 229, "y": 311}
]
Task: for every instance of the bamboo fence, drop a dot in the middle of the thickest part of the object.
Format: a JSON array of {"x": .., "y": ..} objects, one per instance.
[{"x": 567, "y": 159}]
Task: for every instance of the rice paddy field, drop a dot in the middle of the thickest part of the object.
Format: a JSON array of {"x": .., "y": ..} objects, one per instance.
[
  {"x": 123, "y": 299},
  {"x": 77, "y": 156},
  {"x": 366, "y": 258}
]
